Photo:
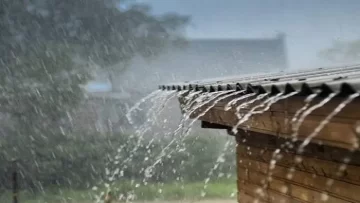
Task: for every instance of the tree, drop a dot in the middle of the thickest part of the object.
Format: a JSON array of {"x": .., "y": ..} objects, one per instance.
[
  {"x": 41, "y": 83},
  {"x": 99, "y": 30},
  {"x": 342, "y": 52}
]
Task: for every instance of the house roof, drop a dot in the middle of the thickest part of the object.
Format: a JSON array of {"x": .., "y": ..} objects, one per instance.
[{"x": 344, "y": 80}]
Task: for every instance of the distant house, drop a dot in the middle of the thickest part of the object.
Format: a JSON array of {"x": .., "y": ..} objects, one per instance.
[
  {"x": 200, "y": 59},
  {"x": 207, "y": 58}
]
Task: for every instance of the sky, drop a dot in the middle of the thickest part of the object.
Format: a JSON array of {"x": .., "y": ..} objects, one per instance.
[{"x": 310, "y": 25}]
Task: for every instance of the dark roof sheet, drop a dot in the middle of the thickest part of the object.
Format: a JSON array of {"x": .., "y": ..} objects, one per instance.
[{"x": 343, "y": 80}]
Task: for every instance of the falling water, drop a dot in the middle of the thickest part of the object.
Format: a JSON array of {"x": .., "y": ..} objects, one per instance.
[
  {"x": 234, "y": 101},
  {"x": 245, "y": 104},
  {"x": 154, "y": 110},
  {"x": 217, "y": 97},
  {"x": 259, "y": 97},
  {"x": 219, "y": 160},
  {"x": 317, "y": 130},
  {"x": 252, "y": 111},
  {"x": 210, "y": 107},
  {"x": 324, "y": 122},
  {"x": 159, "y": 105},
  {"x": 193, "y": 98},
  {"x": 307, "y": 101},
  {"x": 268, "y": 103},
  {"x": 186, "y": 117},
  {"x": 274, "y": 100},
  {"x": 299, "y": 121},
  {"x": 202, "y": 100},
  {"x": 275, "y": 156},
  {"x": 137, "y": 104}
]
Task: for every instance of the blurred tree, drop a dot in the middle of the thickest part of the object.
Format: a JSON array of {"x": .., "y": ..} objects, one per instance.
[
  {"x": 342, "y": 52},
  {"x": 98, "y": 30},
  {"x": 41, "y": 82}
]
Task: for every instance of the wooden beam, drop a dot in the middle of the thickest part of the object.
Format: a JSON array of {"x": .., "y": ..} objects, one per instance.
[
  {"x": 339, "y": 132},
  {"x": 309, "y": 179},
  {"x": 205, "y": 124}
]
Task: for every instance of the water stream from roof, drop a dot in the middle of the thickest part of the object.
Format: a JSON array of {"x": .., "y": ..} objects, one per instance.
[
  {"x": 317, "y": 130},
  {"x": 219, "y": 160},
  {"x": 235, "y": 100},
  {"x": 244, "y": 105},
  {"x": 300, "y": 121},
  {"x": 196, "y": 104},
  {"x": 158, "y": 102},
  {"x": 276, "y": 154},
  {"x": 307, "y": 101},
  {"x": 307, "y": 112},
  {"x": 137, "y": 104},
  {"x": 327, "y": 119},
  {"x": 215, "y": 99}
]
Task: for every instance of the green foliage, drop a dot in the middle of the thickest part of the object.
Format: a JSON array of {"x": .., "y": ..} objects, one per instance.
[
  {"x": 81, "y": 161},
  {"x": 41, "y": 84},
  {"x": 219, "y": 189},
  {"x": 99, "y": 30}
]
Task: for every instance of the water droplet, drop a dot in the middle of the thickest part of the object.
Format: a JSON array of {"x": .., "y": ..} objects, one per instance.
[
  {"x": 324, "y": 197},
  {"x": 284, "y": 189}
]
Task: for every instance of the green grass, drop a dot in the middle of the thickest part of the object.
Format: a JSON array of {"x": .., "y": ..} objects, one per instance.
[{"x": 221, "y": 189}]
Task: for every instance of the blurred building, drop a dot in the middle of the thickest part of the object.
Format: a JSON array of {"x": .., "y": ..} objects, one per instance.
[
  {"x": 199, "y": 59},
  {"x": 207, "y": 58}
]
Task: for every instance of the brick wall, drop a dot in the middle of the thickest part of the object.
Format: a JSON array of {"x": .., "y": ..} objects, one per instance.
[{"x": 319, "y": 177}]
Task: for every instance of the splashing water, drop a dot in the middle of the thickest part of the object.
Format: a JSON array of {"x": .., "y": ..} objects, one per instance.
[
  {"x": 159, "y": 105},
  {"x": 137, "y": 104},
  {"x": 308, "y": 100},
  {"x": 155, "y": 110},
  {"x": 275, "y": 99},
  {"x": 204, "y": 101},
  {"x": 186, "y": 117},
  {"x": 298, "y": 123},
  {"x": 316, "y": 131},
  {"x": 270, "y": 101},
  {"x": 219, "y": 160},
  {"x": 324, "y": 122},
  {"x": 192, "y": 98},
  {"x": 210, "y": 107},
  {"x": 308, "y": 112},
  {"x": 234, "y": 101},
  {"x": 259, "y": 97},
  {"x": 217, "y": 97},
  {"x": 252, "y": 111},
  {"x": 243, "y": 105},
  {"x": 275, "y": 157}
]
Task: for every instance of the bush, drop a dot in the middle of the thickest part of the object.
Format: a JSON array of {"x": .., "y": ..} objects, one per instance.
[{"x": 82, "y": 161}]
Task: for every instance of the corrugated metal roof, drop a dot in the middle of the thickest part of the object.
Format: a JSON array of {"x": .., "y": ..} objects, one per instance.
[{"x": 343, "y": 80}]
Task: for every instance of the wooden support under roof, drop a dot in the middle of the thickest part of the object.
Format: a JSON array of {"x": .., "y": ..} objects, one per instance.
[
  {"x": 270, "y": 167},
  {"x": 341, "y": 131}
]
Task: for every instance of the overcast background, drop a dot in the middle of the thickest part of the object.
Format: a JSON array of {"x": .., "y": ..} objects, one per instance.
[{"x": 310, "y": 25}]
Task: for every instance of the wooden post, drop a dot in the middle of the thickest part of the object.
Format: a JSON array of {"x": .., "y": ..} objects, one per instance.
[{"x": 14, "y": 182}]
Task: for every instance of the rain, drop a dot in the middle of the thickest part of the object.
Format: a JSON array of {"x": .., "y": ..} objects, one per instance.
[{"x": 110, "y": 101}]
